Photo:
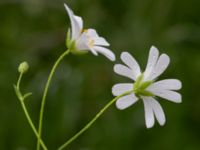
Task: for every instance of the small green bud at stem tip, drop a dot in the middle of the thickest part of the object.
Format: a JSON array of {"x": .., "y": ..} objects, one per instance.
[{"x": 23, "y": 67}]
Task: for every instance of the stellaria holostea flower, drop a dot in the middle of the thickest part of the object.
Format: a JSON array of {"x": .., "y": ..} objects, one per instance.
[
  {"x": 82, "y": 40},
  {"x": 145, "y": 87}
]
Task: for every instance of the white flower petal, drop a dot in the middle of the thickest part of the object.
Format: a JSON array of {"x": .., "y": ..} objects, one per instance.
[
  {"x": 148, "y": 110},
  {"x": 124, "y": 71},
  {"x": 101, "y": 42},
  {"x": 131, "y": 63},
  {"x": 158, "y": 111},
  {"x": 80, "y": 21},
  {"x": 106, "y": 52},
  {"x": 121, "y": 88},
  {"x": 167, "y": 84},
  {"x": 75, "y": 23},
  {"x": 152, "y": 60},
  {"x": 161, "y": 66},
  {"x": 92, "y": 33},
  {"x": 168, "y": 95},
  {"x": 126, "y": 101},
  {"x": 93, "y": 51},
  {"x": 82, "y": 42},
  {"x": 98, "y": 41}
]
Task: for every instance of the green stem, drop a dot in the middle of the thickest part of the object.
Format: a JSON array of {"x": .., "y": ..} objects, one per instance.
[
  {"x": 19, "y": 81},
  {"x": 21, "y": 98},
  {"x": 45, "y": 94},
  {"x": 32, "y": 125},
  {"x": 92, "y": 121}
]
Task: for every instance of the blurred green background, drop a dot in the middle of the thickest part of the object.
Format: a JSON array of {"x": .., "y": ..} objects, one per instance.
[{"x": 34, "y": 30}]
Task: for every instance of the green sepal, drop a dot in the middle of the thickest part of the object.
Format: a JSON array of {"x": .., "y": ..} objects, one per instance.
[
  {"x": 68, "y": 39},
  {"x": 139, "y": 87},
  {"x": 70, "y": 44},
  {"x": 144, "y": 85},
  {"x": 138, "y": 81},
  {"x": 144, "y": 93}
]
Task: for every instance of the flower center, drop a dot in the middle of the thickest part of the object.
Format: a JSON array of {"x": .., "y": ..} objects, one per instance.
[
  {"x": 140, "y": 87},
  {"x": 91, "y": 43}
]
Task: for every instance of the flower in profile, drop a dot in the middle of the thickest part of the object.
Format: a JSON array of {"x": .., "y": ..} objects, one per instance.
[
  {"x": 82, "y": 40},
  {"x": 145, "y": 87}
]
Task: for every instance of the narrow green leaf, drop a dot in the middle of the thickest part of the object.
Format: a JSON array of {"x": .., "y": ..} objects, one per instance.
[{"x": 27, "y": 95}]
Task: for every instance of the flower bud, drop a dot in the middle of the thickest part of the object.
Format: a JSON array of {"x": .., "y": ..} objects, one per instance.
[{"x": 23, "y": 67}]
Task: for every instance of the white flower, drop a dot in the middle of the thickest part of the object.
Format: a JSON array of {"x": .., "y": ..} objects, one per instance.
[
  {"x": 87, "y": 39},
  {"x": 145, "y": 87}
]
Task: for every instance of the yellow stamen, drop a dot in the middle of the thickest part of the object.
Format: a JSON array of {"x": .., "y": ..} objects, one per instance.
[
  {"x": 91, "y": 43},
  {"x": 84, "y": 30}
]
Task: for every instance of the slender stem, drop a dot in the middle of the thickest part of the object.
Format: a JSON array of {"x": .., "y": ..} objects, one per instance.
[
  {"x": 19, "y": 81},
  {"x": 45, "y": 94},
  {"x": 32, "y": 125},
  {"x": 87, "y": 126},
  {"x": 21, "y": 98}
]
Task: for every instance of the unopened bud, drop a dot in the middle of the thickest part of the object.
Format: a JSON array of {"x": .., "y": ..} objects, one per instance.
[{"x": 23, "y": 67}]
